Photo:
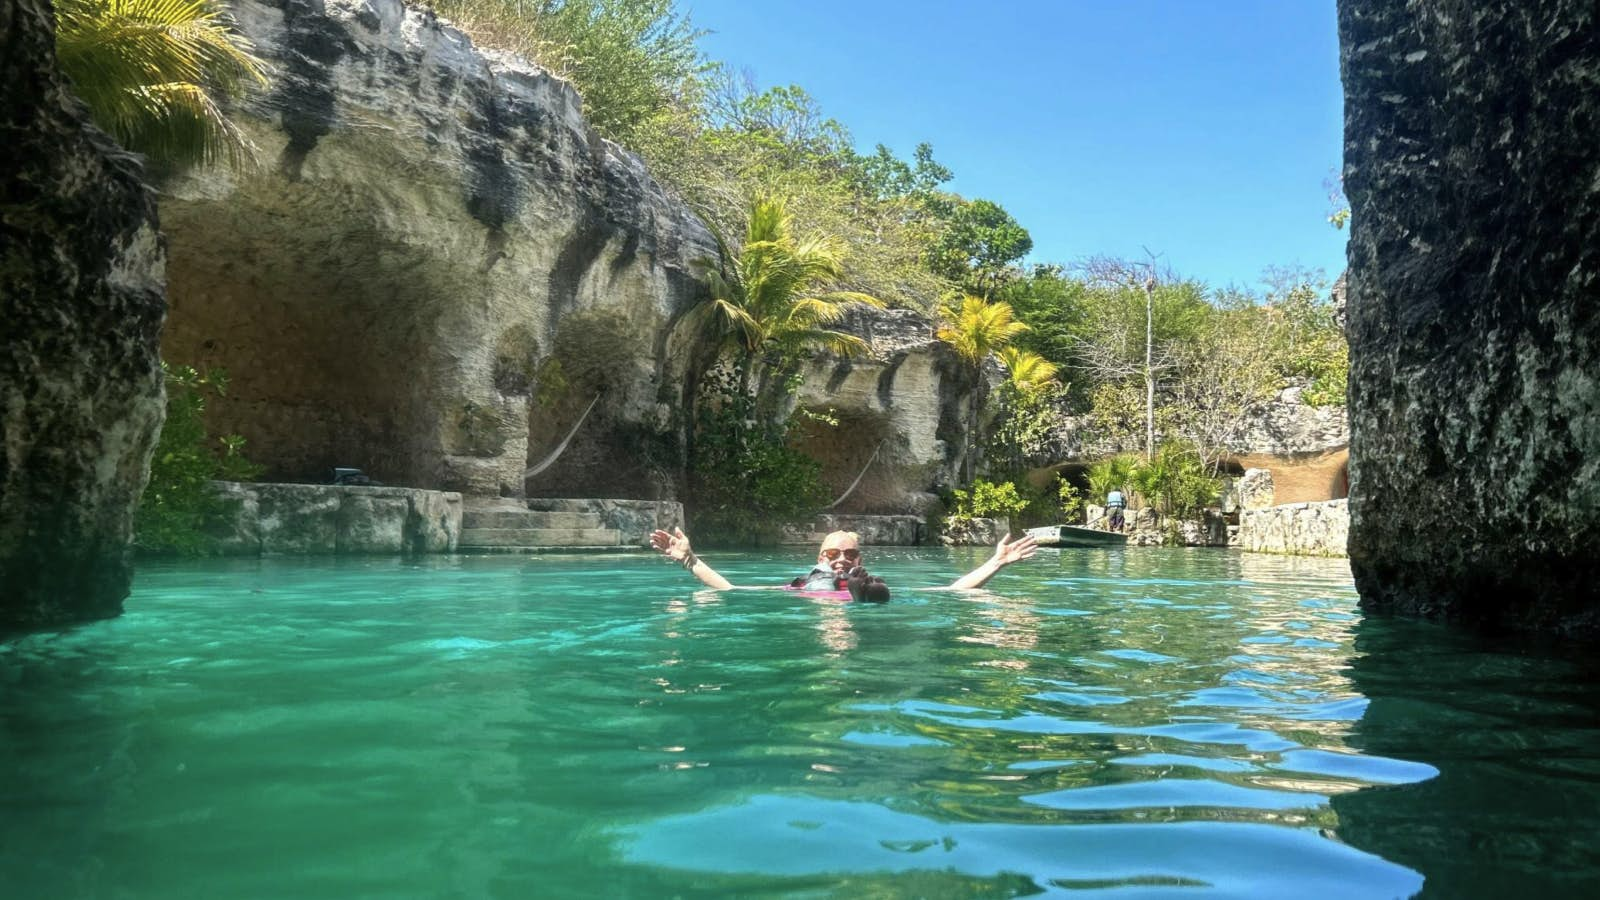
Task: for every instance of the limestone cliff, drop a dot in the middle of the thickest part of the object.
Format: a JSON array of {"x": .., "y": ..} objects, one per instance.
[
  {"x": 438, "y": 265},
  {"x": 80, "y": 310},
  {"x": 1474, "y": 290},
  {"x": 906, "y": 402},
  {"x": 435, "y": 267}
]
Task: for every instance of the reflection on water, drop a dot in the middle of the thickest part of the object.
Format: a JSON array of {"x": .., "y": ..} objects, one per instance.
[
  {"x": 1515, "y": 734},
  {"x": 1161, "y": 723}
]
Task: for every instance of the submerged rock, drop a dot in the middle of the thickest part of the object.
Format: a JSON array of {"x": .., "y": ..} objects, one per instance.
[
  {"x": 81, "y": 304},
  {"x": 1474, "y": 295}
]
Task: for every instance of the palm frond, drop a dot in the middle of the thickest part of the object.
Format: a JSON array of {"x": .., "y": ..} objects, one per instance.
[
  {"x": 152, "y": 73},
  {"x": 1028, "y": 370}
]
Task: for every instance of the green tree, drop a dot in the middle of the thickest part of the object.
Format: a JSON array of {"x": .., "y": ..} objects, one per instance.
[
  {"x": 884, "y": 177},
  {"x": 1114, "y": 474},
  {"x": 741, "y": 143},
  {"x": 1174, "y": 480},
  {"x": 1056, "y": 310},
  {"x": 976, "y": 330},
  {"x": 769, "y": 300},
  {"x": 153, "y": 73},
  {"x": 978, "y": 244}
]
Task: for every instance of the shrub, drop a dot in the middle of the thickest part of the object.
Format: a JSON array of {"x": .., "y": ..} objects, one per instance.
[
  {"x": 179, "y": 507},
  {"x": 1175, "y": 481},
  {"x": 747, "y": 482},
  {"x": 1114, "y": 474},
  {"x": 988, "y": 500},
  {"x": 1069, "y": 500}
]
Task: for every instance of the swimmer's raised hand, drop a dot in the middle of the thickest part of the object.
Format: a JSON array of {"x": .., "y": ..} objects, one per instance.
[
  {"x": 674, "y": 544},
  {"x": 1008, "y": 551}
]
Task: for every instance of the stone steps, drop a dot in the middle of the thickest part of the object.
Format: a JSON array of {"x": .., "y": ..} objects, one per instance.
[
  {"x": 506, "y": 525},
  {"x": 538, "y": 537}
]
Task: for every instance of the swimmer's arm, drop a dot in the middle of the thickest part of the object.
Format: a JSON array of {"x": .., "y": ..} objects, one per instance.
[
  {"x": 675, "y": 545},
  {"x": 1005, "y": 553},
  {"x": 709, "y": 576}
]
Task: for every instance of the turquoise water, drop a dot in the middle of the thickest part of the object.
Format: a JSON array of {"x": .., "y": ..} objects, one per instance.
[{"x": 1098, "y": 723}]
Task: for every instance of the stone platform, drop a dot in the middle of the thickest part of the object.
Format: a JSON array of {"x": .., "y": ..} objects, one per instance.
[{"x": 271, "y": 519}]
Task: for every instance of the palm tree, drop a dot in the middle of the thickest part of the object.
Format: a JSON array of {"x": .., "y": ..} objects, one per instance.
[
  {"x": 153, "y": 71},
  {"x": 767, "y": 302},
  {"x": 1114, "y": 474},
  {"x": 976, "y": 330},
  {"x": 1027, "y": 370}
]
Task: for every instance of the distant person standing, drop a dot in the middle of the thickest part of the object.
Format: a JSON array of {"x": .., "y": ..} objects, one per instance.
[{"x": 1115, "y": 504}]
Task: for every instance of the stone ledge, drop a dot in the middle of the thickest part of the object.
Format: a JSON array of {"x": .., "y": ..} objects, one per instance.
[
  {"x": 268, "y": 519},
  {"x": 875, "y": 531}
]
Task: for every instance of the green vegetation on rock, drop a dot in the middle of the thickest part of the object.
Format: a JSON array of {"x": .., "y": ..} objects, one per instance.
[{"x": 179, "y": 506}]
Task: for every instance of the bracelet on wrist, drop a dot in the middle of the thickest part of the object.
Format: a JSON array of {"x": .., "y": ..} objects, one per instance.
[{"x": 690, "y": 561}]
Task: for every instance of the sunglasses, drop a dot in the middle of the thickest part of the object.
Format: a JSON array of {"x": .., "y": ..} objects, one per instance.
[{"x": 833, "y": 553}]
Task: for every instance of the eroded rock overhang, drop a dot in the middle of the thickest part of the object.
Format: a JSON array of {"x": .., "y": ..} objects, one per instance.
[{"x": 429, "y": 225}]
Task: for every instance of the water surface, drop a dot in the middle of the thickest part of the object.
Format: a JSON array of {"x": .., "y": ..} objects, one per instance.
[{"x": 1136, "y": 723}]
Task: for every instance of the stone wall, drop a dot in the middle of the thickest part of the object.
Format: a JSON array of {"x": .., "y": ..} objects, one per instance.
[
  {"x": 1301, "y": 529},
  {"x": 81, "y": 304},
  {"x": 1474, "y": 309},
  {"x": 880, "y": 531},
  {"x": 268, "y": 519}
]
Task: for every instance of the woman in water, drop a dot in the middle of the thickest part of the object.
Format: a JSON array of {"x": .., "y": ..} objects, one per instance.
[{"x": 838, "y": 566}]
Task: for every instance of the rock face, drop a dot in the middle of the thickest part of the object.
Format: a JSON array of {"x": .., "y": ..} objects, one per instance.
[
  {"x": 1301, "y": 529},
  {"x": 1287, "y": 426},
  {"x": 81, "y": 304},
  {"x": 1474, "y": 295},
  {"x": 1254, "y": 490},
  {"x": 908, "y": 401},
  {"x": 439, "y": 265},
  {"x": 434, "y": 269}
]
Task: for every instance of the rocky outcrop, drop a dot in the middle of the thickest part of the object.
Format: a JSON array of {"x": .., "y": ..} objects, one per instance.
[
  {"x": 81, "y": 303},
  {"x": 434, "y": 269},
  {"x": 1287, "y": 426},
  {"x": 1474, "y": 301},
  {"x": 1253, "y": 490},
  {"x": 908, "y": 402},
  {"x": 318, "y": 519},
  {"x": 439, "y": 265},
  {"x": 1300, "y": 529}
]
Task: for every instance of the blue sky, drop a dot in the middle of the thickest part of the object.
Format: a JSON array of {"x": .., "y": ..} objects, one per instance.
[{"x": 1203, "y": 131}]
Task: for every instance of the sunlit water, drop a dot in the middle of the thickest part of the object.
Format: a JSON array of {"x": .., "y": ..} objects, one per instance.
[{"x": 1120, "y": 723}]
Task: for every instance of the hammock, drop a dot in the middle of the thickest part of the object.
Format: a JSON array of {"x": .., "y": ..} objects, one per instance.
[
  {"x": 555, "y": 454},
  {"x": 852, "y": 487}
]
